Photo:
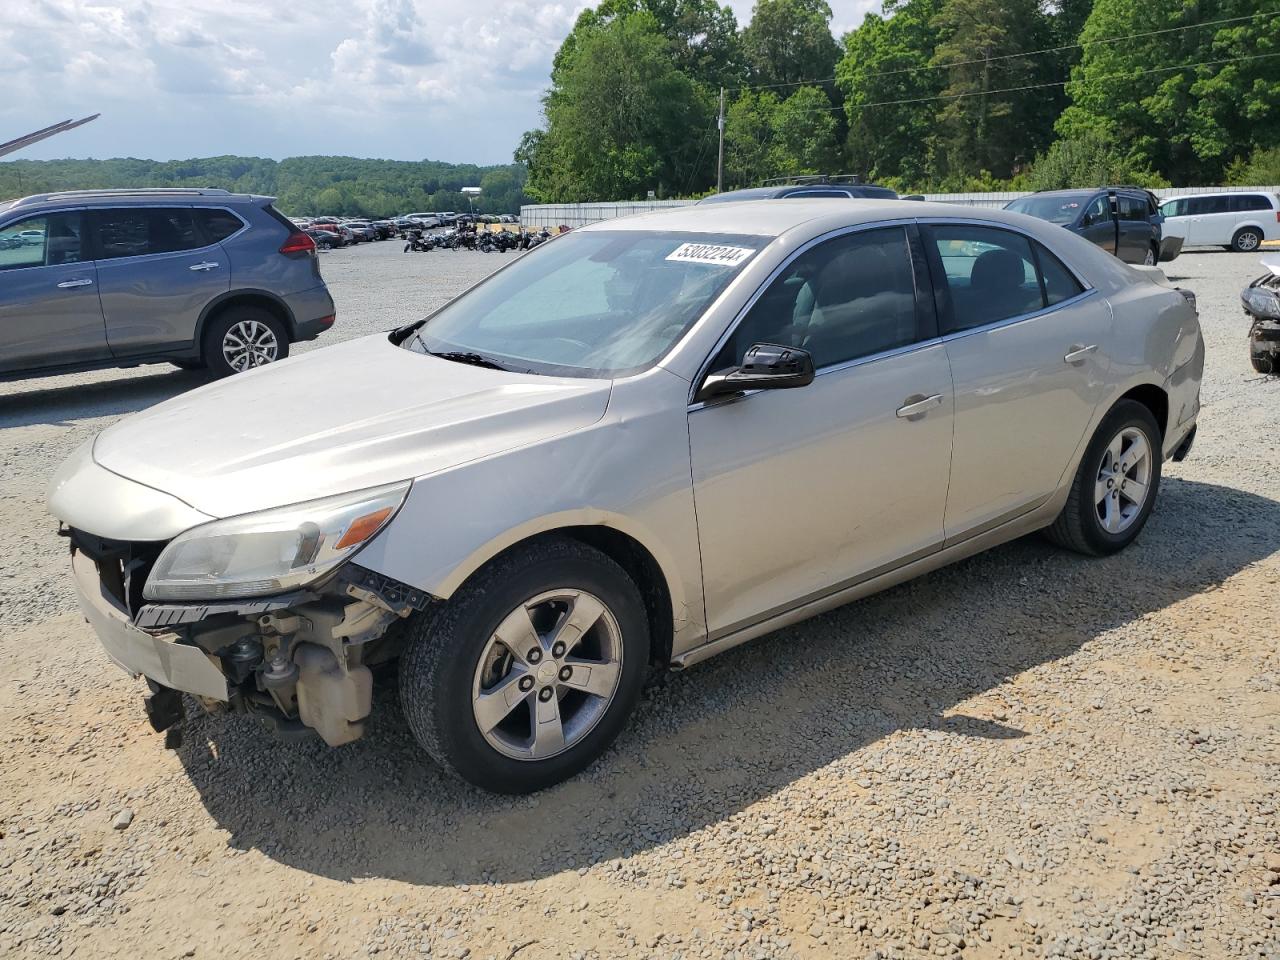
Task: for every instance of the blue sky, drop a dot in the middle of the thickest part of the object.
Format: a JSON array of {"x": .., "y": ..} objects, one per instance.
[{"x": 455, "y": 80}]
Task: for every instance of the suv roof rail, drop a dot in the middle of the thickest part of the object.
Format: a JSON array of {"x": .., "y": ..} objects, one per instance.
[
  {"x": 124, "y": 192},
  {"x": 804, "y": 179}
]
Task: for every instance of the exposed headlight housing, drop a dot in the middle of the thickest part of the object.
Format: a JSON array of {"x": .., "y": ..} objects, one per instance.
[
  {"x": 1262, "y": 302},
  {"x": 259, "y": 554}
]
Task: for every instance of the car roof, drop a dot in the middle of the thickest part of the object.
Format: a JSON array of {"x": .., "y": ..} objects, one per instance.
[{"x": 773, "y": 219}]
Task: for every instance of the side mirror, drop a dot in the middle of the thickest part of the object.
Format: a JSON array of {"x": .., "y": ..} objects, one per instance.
[{"x": 767, "y": 366}]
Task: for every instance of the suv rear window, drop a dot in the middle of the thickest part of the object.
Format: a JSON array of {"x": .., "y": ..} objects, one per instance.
[{"x": 217, "y": 224}]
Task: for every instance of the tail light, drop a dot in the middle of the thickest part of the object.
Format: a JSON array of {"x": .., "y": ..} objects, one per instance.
[
  {"x": 298, "y": 242},
  {"x": 1278, "y": 216}
]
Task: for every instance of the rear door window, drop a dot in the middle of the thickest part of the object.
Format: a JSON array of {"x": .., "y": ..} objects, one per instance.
[
  {"x": 991, "y": 274},
  {"x": 140, "y": 231},
  {"x": 42, "y": 241}
]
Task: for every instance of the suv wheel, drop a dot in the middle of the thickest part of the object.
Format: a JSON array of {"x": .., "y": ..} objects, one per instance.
[
  {"x": 1152, "y": 257},
  {"x": 528, "y": 673},
  {"x": 242, "y": 338},
  {"x": 1246, "y": 240},
  {"x": 1115, "y": 486}
]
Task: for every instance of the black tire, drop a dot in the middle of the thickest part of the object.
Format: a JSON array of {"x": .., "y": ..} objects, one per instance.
[
  {"x": 218, "y": 326},
  {"x": 1247, "y": 240},
  {"x": 1078, "y": 527},
  {"x": 438, "y": 667}
]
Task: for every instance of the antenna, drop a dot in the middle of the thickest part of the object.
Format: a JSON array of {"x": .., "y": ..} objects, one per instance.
[{"x": 44, "y": 134}]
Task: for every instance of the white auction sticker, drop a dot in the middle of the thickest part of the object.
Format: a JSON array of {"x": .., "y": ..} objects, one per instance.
[{"x": 712, "y": 253}]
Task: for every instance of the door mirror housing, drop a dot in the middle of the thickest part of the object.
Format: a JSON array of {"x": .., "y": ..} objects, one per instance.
[{"x": 766, "y": 366}]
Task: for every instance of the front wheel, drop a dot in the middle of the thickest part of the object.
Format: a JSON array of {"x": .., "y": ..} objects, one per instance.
[
  {"x": 242, "y": 338},
  {"x": 527, "y": 673},
  {"x": 1115, "y": 486}
]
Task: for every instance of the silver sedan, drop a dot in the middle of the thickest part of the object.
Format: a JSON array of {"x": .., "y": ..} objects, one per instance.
[{"x": 637, "y": 446}]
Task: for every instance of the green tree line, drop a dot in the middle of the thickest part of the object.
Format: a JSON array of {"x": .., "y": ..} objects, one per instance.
[
  {"x": 304, "y": 186},
  {"x": 926, "y": 95}
]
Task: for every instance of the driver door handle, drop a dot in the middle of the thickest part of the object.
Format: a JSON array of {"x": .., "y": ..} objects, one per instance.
[
  {"x": 207, "y": 265},
  {"x": 1079, "y": 352},
  {"x": 68, "y": 284},
  {"x": 917, "y": 406}
]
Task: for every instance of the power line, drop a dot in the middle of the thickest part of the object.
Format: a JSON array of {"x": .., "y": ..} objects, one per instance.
[
  {"x": 1063, "y": 83},
  {"x": 1012, "y": 56},
  {"x": 1039, "y": 86}
]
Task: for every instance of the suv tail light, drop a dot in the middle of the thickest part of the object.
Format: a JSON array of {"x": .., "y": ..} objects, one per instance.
[{"x": 298, "y": 242}]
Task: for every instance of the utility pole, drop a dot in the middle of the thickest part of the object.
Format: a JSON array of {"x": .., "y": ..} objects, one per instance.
[{"x": 720, "y": 161}]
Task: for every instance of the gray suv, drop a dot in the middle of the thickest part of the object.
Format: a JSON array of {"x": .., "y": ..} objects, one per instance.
[{"x": 118, "y": 278}]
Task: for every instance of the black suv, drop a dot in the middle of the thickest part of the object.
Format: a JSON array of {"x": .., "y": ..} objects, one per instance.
[
  {"x": 1124, "y": 221},
  {"x": 840, "y": 187}
]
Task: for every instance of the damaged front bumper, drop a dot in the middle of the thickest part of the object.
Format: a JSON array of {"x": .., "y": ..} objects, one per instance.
[{"x": 298, "y": 660}]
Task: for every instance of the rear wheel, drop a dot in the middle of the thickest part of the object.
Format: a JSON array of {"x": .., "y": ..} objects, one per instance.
[
  {"x": 1246, "y": 240},
  {"x": 1115, "y": 486},
  {"x": 242, "y": 338},
  {"x": 528, "y": 673},
  {"x": 1152, "y": 257}
]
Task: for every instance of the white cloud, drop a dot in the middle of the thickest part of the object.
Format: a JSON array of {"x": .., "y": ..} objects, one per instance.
[{"x": 445, "y": 79}]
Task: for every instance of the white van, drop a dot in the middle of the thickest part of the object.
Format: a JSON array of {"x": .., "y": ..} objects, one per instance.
[{"x": 1237, "y": 221}]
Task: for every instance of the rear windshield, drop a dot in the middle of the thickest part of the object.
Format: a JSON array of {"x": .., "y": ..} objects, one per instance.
[
  {"x": 1061, "y": 208},
  {"x": 591, "y": 304}
]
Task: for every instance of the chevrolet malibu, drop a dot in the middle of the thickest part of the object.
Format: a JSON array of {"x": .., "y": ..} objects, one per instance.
[{"x": 640, "y": 445}]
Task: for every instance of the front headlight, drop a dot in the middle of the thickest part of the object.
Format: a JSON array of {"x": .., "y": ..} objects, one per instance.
[
  {"x": 1262, "y": 302},
  {"x": 259, "y": 554}
]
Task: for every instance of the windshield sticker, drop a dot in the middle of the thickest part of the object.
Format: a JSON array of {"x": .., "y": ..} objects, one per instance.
[{"x": 714, "y": 254}]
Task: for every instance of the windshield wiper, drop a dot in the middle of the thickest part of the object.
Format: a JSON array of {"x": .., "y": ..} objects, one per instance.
[{"x": 474, "y": 359}]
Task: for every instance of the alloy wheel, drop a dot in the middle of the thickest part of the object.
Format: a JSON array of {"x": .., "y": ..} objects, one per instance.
[
  {"x": 1150, "y": 259},
  {"x": 248, "y": 344},
  {"x": 547, "y": 675},
  {"x": 1248, "y": 241},
  {"x": 1124, "y": 480}
]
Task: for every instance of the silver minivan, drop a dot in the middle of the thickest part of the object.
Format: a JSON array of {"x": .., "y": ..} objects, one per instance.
[
  {"x": 639, "y": 445},
  {"x": 1239, "y": 221},
  {"x": 118, "y": 278}
]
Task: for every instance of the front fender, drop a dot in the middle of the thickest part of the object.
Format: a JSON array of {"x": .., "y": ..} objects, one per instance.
[{"x": 628, "y": 472}]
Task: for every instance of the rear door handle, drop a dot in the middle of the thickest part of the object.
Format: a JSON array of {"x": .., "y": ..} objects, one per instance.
[
  {"x": 1078, "y": 352},
  {"x": 68, "y": 284},
  {"x": 207, "y": 265},
  {"x": 918, "y": 405}
]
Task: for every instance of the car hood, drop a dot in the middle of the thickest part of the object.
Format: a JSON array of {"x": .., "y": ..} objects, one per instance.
[{"x": 343, "y": 418}]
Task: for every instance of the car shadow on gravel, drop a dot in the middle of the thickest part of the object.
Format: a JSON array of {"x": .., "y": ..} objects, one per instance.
[
  {"x": 66, "y": 402},
  {"x": 710, "y": 742}
]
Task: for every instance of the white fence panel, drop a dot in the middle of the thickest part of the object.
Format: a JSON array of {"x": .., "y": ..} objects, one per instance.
[{"x": 580, "y": 214}]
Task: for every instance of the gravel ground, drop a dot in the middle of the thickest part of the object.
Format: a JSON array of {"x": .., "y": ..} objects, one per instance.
[{"x": 1029, "y": 754}]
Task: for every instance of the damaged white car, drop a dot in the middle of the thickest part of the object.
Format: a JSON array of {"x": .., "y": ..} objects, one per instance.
[{"x": 639, "y": 445}]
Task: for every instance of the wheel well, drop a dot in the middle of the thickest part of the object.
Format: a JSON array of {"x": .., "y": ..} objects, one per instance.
[
  {"x": 1155, "y": 400},
  {"x": 638, "y": 562},
  {"x": 261, "y": 301}
]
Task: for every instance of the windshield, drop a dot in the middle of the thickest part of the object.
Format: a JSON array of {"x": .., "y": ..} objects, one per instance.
[
  {"x": 1056, "y": 209},
  {"x": 591, "y": 304}
]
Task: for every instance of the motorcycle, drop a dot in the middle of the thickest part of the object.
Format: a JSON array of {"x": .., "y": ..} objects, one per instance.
[
  {"x": 1261, "y": 301},
  {"x": 414, "y": 241}
]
